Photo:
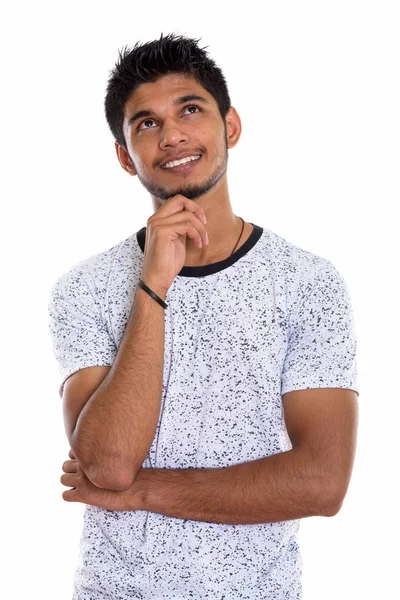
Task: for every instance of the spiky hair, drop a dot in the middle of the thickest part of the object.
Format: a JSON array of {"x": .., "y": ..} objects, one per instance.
[{"x": 145, "y": 63}]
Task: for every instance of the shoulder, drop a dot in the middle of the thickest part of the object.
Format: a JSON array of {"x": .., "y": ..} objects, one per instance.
[
  {"x": 298, "y": 267},
  {"x": 291, "y": 255},
  {"x": 92, "y": 273}
]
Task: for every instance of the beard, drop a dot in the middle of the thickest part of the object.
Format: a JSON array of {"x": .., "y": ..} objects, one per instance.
[{"x": 192, "y": 191}]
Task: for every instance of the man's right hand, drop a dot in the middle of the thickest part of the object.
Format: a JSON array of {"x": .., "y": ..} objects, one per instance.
[{"x": 165, "y": 248}]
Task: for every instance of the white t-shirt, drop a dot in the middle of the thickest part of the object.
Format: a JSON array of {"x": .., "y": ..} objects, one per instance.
[{"x": 239, "y": 333}]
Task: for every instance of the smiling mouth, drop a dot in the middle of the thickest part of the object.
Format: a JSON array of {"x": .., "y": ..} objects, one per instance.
[{"x": 184, "y": 166}]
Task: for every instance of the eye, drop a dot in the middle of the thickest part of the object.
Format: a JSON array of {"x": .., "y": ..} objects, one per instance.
[
  {"x": 197, "y": 108},
  {"x": 193, "y": 106},
  {"x": 146, "y": 121}
]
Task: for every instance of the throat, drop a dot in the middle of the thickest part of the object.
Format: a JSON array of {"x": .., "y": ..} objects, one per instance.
[{"x": 200, "y": 259}]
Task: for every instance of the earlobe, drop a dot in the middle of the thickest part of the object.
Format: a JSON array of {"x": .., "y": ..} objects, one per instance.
[
  {"x": 124, "y": 160},
  {"x": 130, "y": 168},
  {"x": 233, "y": 127}
]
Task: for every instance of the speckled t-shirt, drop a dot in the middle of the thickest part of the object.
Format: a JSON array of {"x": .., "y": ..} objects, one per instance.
[{"x": 239, "y": 333}]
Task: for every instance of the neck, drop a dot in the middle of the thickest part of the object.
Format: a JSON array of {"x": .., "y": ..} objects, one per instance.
[
  {"x": 222, "y": 242},
  {"x": 223, "y": 228}
]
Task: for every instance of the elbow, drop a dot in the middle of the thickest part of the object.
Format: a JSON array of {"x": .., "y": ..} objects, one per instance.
[
  {"x": 106, "y": 474},
  {"x": 333, "y": 510},
  {"x": 332, "y": 504},
  {"x": 117, "y": 480}
]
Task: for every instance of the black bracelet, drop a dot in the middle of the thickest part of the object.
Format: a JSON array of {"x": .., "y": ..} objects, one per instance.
[{"x": 152, "y": 294}]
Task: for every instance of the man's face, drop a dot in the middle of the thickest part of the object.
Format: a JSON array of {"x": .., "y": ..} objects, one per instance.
[{"x": 175, "y": 125}]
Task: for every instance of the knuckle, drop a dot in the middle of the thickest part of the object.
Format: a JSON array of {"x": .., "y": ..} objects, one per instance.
[{"x": 199, "y": 224}]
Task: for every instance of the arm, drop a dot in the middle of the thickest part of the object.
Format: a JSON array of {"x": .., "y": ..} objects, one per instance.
[
  {"x": 116, "y": 427},
  {"x": 311, "y": 479}
]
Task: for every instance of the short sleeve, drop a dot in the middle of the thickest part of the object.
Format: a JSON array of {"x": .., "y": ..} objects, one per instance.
[
  {"x": 78, "y": 331},
  {"x": 322, "y": 342}
]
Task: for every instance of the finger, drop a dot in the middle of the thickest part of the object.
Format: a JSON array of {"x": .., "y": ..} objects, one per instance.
[
  {"x": 176, "y": 204},
  {"x": 71, "y": 454},
  {"x": 69, "y": 480},
  {"x": 70, "y": 495},
  {"x": 70, "y": 466},
  {"x": 186, "y": 226}
]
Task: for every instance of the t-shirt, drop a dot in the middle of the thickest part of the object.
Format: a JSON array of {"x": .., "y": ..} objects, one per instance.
[{"x": 239, "y": 333}]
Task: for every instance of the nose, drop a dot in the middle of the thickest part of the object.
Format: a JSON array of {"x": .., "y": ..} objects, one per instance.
[{"x": 172, "y": 135}]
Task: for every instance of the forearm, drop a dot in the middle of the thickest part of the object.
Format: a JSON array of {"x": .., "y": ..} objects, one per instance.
[
  {"x": 278, "y": 488},
  {"x": 117, "y": 425}
]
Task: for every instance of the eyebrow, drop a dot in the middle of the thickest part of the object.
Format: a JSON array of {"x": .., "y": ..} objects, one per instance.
[{"x": 181, "y": 100}]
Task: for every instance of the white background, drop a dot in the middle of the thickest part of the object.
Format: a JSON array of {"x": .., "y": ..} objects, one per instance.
[{"x": 316, "y": 85}]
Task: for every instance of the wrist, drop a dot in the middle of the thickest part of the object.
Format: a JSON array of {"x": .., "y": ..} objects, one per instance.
[
  {"x": 156, "y": 288},
  {"x": 138, "y": 490}
]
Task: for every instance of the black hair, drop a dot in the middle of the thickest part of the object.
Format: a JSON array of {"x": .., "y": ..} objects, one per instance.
[{"x": 145, "y": 63}]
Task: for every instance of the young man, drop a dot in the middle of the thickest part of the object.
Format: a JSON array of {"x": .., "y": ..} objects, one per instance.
[{"x": 208, "y": 365}]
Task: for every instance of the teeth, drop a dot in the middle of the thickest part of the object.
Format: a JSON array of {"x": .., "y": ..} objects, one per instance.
[{"x": 182, "y": 161}]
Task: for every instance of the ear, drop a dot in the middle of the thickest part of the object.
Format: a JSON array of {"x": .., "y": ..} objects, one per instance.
[
  {"x": 233, "y": 127},
  {"x": 124, "y": 159}
]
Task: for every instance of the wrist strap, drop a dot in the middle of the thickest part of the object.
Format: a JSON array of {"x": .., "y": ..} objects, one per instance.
[{"x": 152, "y": 294}]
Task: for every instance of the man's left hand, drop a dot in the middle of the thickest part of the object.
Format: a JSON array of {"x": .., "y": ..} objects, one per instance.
[{"x": 83, "y": 490}]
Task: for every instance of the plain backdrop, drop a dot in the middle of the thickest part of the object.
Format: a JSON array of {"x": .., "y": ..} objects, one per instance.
[{"x": 316, "y": 85}]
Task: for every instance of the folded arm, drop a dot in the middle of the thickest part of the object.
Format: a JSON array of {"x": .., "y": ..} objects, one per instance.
[{"x": 311, "y": 479}]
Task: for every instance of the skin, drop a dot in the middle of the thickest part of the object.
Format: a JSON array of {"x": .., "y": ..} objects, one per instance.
[
  {"x": 322, "y": 423},
  {"x": 175, "y": 129},
  {"x": 84, "y": 491},
  {"x": 171, "y": 130}
]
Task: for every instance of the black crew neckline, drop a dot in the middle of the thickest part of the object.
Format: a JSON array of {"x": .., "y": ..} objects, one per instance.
[{"x": 201, "y": 271}]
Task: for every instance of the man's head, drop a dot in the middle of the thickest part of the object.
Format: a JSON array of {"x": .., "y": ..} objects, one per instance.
[{"x": 156, "y": 84}]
